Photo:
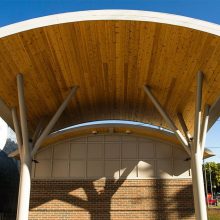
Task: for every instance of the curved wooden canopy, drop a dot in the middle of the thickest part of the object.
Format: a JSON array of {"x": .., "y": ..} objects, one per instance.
[{"x": 110, "y": 60}]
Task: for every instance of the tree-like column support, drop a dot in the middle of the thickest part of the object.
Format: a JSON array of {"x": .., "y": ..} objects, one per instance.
[
  {"x": 168, "y": 120},
  {"x": 198, "y": 187},
  {"x": 25, "y": 174},
  {"x": 27, "y": 149},
  {"x": 195, "y": 149},
  {"x": 24, "y": 188},
  {"x": 197, "y": 155}
]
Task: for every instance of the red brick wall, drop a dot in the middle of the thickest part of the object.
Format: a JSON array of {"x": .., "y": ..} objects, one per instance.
[{"x": 105, "y": 200}]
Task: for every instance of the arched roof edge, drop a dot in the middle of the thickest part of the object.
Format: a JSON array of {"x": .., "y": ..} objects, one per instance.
[
  {"x": 137, "y": 129},
  {"x": 152, "y": 133},
  {"x": 93, "y": 15}
]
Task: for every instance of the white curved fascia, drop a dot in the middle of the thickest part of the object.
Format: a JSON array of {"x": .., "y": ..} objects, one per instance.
[
  {"x": 101, "y": 124},
  {"x": 125, "y": 15}
]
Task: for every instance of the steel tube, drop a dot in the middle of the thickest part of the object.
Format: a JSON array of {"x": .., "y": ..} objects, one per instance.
[
  {"x": 204, "y": 130},
  {"x": 196, "y": 157},
  {"x": 17, "y": 131},
  {"x": 168, "y": 120},
  {"x": 198, "y": 112},
  {"x": 198, "y": 187},
  {"x": 52, "y": 122},
  {"x": 25, "y": 174}
]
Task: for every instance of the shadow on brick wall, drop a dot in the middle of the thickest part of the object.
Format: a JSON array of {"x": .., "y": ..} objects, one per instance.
[
  {"x": 97, "y": 202},
  {"x": 185, "y": 203},
  {"x": 114, "y": 198},
  {"x": 174, "y": 199}
]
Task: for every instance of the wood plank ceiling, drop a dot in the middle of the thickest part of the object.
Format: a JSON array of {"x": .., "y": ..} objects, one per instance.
[{"x": 110, "y": 61}]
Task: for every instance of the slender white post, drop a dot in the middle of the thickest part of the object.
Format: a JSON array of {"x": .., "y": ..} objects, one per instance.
[
  {"x": 184, "y": 127},
  {"x": 17, "y": 131},
  {"x": 25, "y": 175},
  {"x": 52, "y": 122},
  {"x": 198, "y": 113},
  {"x": 27, "y": 152},
  {"x": 204, "y": 130},
  {"x": 168, "y": 120},
  {"x": 196, "y": 158}
]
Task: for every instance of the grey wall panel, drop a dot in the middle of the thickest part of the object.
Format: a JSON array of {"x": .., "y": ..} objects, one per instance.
[
  {"x": 78, "y": 169},
  {"x": 181, "y": 168},
  {"x": 61, "y": 151},
  {"x": 111, "y": 156},
  {"x": 112, "y": 169},
  {"x": 129, "y": 169},
  {"x": 95, "y": 150},
  {"x": 129, "y": 150},
  {"x": 163, "y": 150},
  {"x": 45, "y": 154},
  {"x": 43, "y": 169},
  {"x": 146, "y": 169},
  {"x": 146, "y": 150},
  {"x": 112, "y": 150},
  {"x": 164, "y": 168},
  {"x": 95, "y": 169},
  {"x": 60, "y": 168},
  {"x": 179, "y": 154},
  {"x": 78, "y": 150}
]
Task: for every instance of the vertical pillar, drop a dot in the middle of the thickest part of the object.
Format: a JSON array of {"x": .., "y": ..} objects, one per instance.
[
  {"x": 27, "y": 147},
  {"x": 196, "y": 157},
  {"x": 198, "y": 187},
  {"x": 25, "y": 174},
  {"x": 24, "y": 189}
]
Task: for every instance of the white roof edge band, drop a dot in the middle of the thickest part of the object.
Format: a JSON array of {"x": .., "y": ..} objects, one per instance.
[
  {"x": 92, "y": 15},
  {"x": 107, "y": 124}
]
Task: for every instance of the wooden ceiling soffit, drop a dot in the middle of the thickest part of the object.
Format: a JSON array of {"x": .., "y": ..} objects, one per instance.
[{"x": 214, "y": 113}]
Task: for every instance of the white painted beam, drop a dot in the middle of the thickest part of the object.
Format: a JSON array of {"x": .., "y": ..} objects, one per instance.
[
  {"x": 25, "y": 174},
  {"x": 168, "y": 120},
  {"x": 204, "y": 129},
  {"x": 196, "y": 157},
  {"x": 198, "y": 112},
  {"x": 52, "y": 122},
  {"x": 184, "y": 127},
  {"x": 17, "y": 131},
  {"x": 102, "y": 15}
]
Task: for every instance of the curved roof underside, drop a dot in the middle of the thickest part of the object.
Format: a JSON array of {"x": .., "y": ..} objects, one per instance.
[{"x": 110, "y": 56}]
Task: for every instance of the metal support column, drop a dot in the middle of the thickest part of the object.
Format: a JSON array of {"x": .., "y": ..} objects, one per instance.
[
  {"x": 168, "y": 120},
  {"x": 26, "y": 148},
  {"x": 53, "y": 121},
  {"x": 17, "y": 131},
  {"x": 205, "y": 127},
  {"x": 184, "y": 127},
  {"x": 25, "y": 175},
  {"x": 195, "y": 149},
  {"x": 196, "y": 157}
]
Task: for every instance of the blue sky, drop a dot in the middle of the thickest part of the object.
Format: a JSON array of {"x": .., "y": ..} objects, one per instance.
[
  {"x": 12, "y": 11},
  {"x": 213, "y": 142}
]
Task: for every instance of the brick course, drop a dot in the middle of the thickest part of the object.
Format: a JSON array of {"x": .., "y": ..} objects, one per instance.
[{"x": 107, "y": 199}]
